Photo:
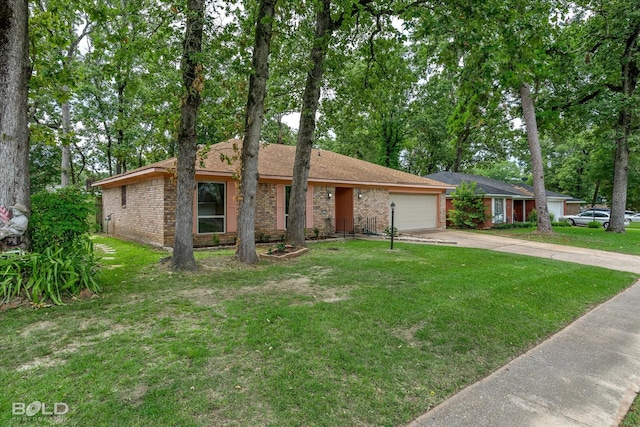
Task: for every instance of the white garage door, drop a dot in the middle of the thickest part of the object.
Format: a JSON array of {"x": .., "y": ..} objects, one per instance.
[
  {"x": 555, "y": 208},
  {"x": 414, "y": 211}
]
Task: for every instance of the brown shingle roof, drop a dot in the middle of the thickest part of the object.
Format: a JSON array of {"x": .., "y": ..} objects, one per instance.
[{"x": 276, "y": 162}]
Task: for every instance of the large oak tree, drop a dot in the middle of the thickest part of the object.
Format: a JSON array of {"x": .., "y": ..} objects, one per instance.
[
  {"x": 14, "y": 78},
  {"x": 193, "y": 83},
  {"x": 248, "y": 186}
]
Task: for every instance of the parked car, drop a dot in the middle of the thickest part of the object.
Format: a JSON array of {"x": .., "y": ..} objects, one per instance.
[
  {"x": 634, "y": 218},
  {"x": 596, "y": 210},
  {"x": 584, "y": 218},
  {"x": 627, "y": 214}
]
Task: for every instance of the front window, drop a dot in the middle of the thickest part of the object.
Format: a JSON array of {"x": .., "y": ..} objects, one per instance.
[
  {"x": 211, "y": 207},
  {"x": 498, "y": 211}
]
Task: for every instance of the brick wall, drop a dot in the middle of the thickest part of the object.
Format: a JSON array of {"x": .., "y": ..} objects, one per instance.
[
  {"x": 571, "y": 208},
  {"x": 266, "y": 209},
  {"x": 443, "y": 206},
  {"x": 374, "y": 203},
  {"x": 169, "y": 212},
  {"x": 149, "y": 216},
  {"x": 324, "y": 209},
  {"x": 142, "y": 219}
]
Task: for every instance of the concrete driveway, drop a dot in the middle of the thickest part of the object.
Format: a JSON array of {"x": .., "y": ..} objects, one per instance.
[{"x": 468, "y": 239}]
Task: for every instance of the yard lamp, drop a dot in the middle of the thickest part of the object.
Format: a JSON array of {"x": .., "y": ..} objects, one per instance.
[{"x": 393, "y": 210}]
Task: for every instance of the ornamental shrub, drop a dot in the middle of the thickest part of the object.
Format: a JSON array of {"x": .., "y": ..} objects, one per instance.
[
  {"x": 533, "y": 216},
  {"x": 62, "y": 262},
  {"x": 60, "y": 219},
  {"x": 50, "y": 275},
  {"x": 468, "y": 207},
  {"x": 387, "y": 231}
]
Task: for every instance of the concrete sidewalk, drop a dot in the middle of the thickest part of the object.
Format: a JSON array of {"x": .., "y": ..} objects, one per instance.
[{"x": 588, "y": 374}]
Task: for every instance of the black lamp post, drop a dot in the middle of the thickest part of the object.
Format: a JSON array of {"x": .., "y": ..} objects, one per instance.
[{"x": 393, "y": 209}]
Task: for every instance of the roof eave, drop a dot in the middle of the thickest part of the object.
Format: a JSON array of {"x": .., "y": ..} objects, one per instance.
[{"x": 133, "y": 176}]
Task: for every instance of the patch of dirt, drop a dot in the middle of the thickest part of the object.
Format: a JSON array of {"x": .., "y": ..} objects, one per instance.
[
  {"x": 58, "y": 357},
  {"x": 222, "y": 263},
  {"x": 202, "y": 296},
  {"x": 295, "y": 285},
  {"x": 135, "y": 397},
  {"x": 40, "y": 362},
  {"x": 15, "y": 303},
  {"x": 409, "y": 335},
  {"x": 44, "y": 325}
]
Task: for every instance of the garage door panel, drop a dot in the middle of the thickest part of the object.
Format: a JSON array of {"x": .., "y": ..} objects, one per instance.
[
  {"x": 556, "y": 208},
  {"x": 415, "y": 211}
]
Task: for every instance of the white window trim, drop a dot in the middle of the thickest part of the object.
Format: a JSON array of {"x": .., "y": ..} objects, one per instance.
[{"x": 499, "y": 217}]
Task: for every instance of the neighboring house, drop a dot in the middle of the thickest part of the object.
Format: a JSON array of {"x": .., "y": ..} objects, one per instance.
[
  {"x": 344, "y": 195},
  {"x": 505, "y": 202}
]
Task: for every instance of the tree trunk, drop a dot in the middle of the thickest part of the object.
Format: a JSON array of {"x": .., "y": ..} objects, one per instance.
[
  {"x": 297, "y": 205},
  {"x": 65, "y": 165},
  {"x": 620, "y": 174},
  {"x": 630, "y": 74},
  {"x": 121, "y": 163},
  {"x": 528, "y": 110},
  {"x": 66, "y": 168},
  {"x": 596, "y": 190},
  {"x": 193, "y": 82},
  {"x": 248, "y": 186},
  {"x": 14, "y": 77}
]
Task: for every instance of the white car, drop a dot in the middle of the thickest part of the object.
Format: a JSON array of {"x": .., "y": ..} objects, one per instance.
[
  {"x": 585, "y": 218},
  {"x": 634, "y": 217}
]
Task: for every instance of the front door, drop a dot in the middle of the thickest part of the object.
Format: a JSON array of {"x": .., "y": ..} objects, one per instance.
[{"x": 344, "y": 209}]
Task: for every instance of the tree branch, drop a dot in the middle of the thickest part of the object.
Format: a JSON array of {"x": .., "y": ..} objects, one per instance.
[{"x": 574, "y": 102}]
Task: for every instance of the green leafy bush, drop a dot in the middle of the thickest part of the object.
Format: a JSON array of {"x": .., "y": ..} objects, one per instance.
[
  {"x": 533, "y": 216},
  {"x": 561, "y": 224},
  {"x": 60, "y": 219},
  {"x": 387, "y": 231},
  {"x": 507, "y": 226},
  {"x": 468, "y": 207},
  {"x": 594, "y": 224},
  {"x": 49, "y": 275}
]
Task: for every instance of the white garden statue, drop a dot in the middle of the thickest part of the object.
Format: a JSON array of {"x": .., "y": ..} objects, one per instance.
[{"x": 18, "y": 223}]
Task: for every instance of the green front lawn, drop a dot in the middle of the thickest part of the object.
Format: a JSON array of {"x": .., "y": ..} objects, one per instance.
[{"x": 348, "y": 334}]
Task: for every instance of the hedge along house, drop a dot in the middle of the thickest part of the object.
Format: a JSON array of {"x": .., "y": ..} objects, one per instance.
[
  {"x": 344, "y": 195},
  {"x": 506, "y": 202}
]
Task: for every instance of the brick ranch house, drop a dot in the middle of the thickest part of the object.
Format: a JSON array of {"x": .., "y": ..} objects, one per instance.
[
  {"x": 506, "y": 202},
  {"x": 344, "y": 195}
]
